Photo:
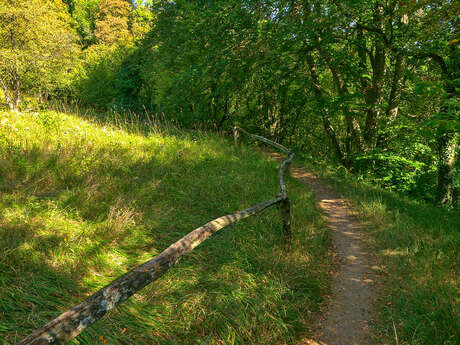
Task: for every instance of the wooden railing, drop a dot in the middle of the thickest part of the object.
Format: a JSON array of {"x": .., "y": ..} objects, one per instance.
[
  {"x": 74, "y": 321},
  {"x": 285, "y": 203}
]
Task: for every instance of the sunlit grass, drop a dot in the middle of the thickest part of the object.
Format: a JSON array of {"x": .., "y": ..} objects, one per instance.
[
  {"x": 417, "y": 247},
  {"x": 83, "y": 200}
]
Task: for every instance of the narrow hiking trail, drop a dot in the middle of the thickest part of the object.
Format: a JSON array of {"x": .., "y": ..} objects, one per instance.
[
  {"x": 349, "y": 310},
  {"x": 347, "y": 314}
]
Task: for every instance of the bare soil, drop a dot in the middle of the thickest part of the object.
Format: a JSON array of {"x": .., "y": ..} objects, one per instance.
[{"x": 345, "y": 318}]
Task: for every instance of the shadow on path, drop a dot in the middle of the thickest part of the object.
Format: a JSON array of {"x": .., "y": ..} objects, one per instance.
[{"x": 345, "y": 321}]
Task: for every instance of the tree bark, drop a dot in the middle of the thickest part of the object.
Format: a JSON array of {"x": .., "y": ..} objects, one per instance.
[
  {"x": 396, "y": 87},
  {"x": 8, "y": 99},
  {"x": 395, "y": 95},
  {"x": 447, "y": 139},
  {"x": 373, "y": 95},
  {"x": 447, "y": 152},
  {"x": 330, "y": 132}
]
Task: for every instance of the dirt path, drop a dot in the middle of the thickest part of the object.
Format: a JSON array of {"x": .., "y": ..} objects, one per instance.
[{"x": 345, "y": 320}]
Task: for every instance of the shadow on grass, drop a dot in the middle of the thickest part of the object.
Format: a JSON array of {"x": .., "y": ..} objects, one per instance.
[
  {"x": 74, "y": 229},
  {"x": 31, "y": 289},
  {"x": 417, "y": 247}
]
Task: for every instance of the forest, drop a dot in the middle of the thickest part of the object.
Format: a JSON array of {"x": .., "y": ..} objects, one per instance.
[
  {"x": 105, "y": 103},
  {"x": 370, "y": 85}
]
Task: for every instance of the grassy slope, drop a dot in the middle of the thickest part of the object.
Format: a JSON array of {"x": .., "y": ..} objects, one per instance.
[
  {"x": 81, "y": 203},
  {"x": 417, "y": 246}
]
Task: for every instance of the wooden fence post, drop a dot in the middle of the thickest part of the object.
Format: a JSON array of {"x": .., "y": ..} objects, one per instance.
[
  {"x": 285, "y": 209},
  {"x": 236, "y": 135}
]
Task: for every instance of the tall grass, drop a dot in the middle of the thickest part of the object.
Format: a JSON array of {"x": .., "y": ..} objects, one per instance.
[
  {"x": 417, "y": 247},
  {"x": 83, "y": 200}
]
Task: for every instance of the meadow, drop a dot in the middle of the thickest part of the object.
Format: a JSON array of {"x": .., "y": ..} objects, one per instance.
[{"x": 84, "y": 199}]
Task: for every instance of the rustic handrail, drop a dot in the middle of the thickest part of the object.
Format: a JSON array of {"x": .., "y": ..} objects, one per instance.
[
  {"x": 285, "y": 204},
  {"x": 74, "y": 321},
  {"x": 285, "y": 164},
  {"x": 265, "y": 140}
]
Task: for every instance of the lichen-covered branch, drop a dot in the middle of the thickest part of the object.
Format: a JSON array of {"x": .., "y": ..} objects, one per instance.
[
  {"x": 74, "y": 321},
  {"x": 283, "y": 165},
  {"x": 285, "y": 207},
  {"x": 265, "y": 140}
]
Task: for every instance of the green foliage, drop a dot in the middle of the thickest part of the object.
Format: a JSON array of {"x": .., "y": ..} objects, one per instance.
[
  {"x": 97, "y": 83},
  {"x": 416, "y": 248},
  {"x": 84, "y": 201},
  {"x": 111, "y": 22},
  {"x": 379, "y": 72},
  {"x": 109, "y": 73},
  {"x": 371, "y": 87},
  {"x": 37, "y": 47},
  {"x": 83, "y": 13},
  {"x": 244, "y": 63},
  {"x": 389, "y": 170}
]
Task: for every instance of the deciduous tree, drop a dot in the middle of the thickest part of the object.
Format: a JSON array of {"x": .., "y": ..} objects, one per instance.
[{"x": 36, "y": 44}]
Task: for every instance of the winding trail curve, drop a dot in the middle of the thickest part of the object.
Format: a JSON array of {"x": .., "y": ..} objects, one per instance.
[{"x": 346, "y": 317}]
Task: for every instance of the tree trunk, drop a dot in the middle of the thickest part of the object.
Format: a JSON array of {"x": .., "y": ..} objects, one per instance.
[
  {"x": 362, "y": 61},
  {"x": 330, "y": 132},
  {"x": 447, "y": 139},
  {"x": 447, "y": 151},
  {"x": 9, "y": 100},
  {"x": 395, "y": 95},
  {"x": 373, "y": 95},
  {"x": 396, "y": 87},
  {"x": 353, "y": 126},
  {"x": 324, "y": 111}
]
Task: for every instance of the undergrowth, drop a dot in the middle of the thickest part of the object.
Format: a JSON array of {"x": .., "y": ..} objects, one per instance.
[
  {"x": 82, "y": 201},
  {"x": 417, "y": 247}
]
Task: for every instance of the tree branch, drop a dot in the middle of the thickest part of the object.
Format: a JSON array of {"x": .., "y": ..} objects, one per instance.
[
  {"x": 436, "y": 58},
  {"x": 374, "y": 30}
]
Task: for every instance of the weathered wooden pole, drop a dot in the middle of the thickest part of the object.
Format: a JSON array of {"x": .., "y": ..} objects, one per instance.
[
  {"x": 265, "y": 140},
  {"x": 288, "y": 166},
  {"x": 285, "y": 209},
  {"x": 236, "y": 135},
  {"x": 285, "y": 204},
  {"x": 284, "y": 166},
  {"x": 74, "y": 321}
]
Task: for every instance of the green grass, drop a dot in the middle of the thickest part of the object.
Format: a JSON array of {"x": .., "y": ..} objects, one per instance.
[
  {"x": 417, "y": 247},
  {"x": 83, "y": 201}
]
